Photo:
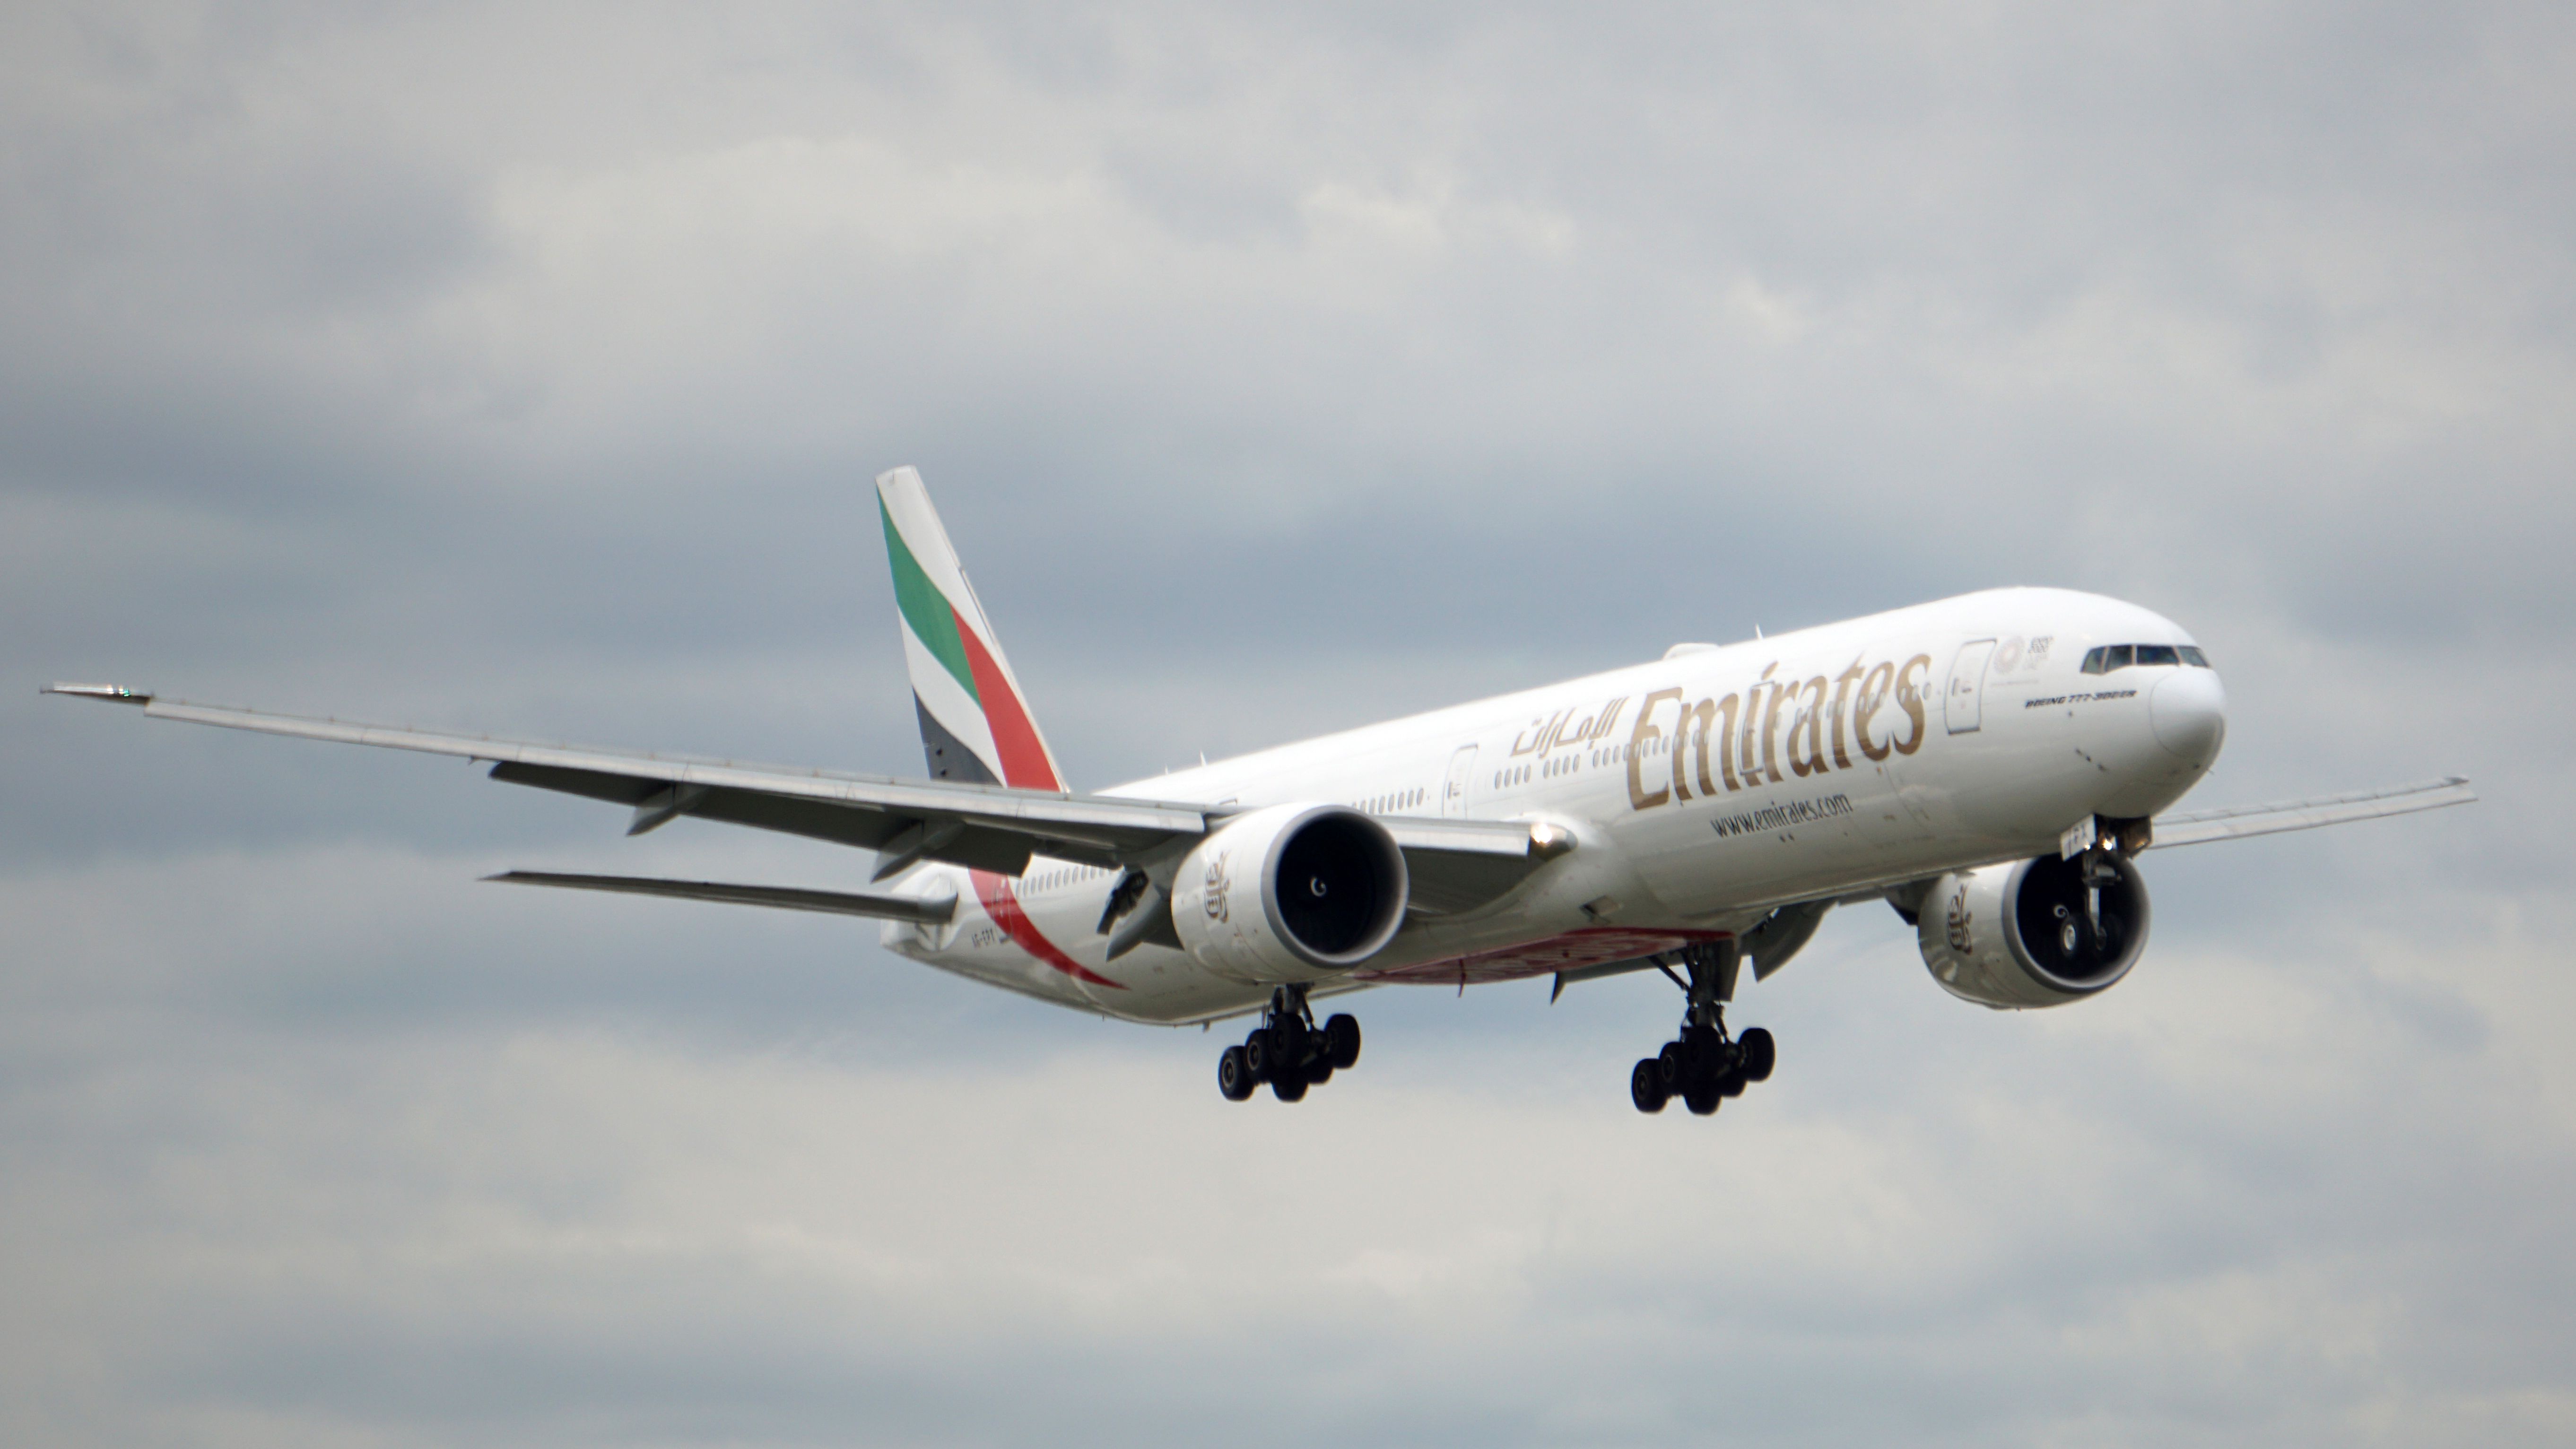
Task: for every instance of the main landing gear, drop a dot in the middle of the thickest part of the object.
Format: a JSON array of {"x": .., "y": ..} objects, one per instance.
[
  {"x": 1702, "y": 1065},
  {"x": 1288, "y": 1050}
]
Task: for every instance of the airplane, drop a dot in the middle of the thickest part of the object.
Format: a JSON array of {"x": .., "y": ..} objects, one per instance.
[{"x": 1990, "y": 765}]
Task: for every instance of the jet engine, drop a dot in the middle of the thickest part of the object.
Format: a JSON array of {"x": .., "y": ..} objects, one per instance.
[
  {"x": 1290, "y": 893},
  {"x": 2039, "y": 933}
]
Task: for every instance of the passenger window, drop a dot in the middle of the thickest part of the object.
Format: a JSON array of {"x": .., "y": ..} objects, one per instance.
[{"x": 2158, "y": 654}]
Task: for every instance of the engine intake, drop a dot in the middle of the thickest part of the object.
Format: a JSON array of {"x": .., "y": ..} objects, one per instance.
[
  {"x": 1290, "y": 893},
  {"x": 2036, "y": 933}
]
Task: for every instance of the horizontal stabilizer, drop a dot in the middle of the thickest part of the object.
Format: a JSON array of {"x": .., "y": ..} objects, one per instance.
[
  {"x": 2193, "y": 827},
  {"x": 113, "y": 693},
  {"x": 938, "y": 912}
]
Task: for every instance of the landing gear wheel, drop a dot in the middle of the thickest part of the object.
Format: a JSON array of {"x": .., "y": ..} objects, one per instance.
[
  {"x": 1646, "y": 1086},
  {"x": 1760, "y": 1055},
  {"x": 1289, "y": 1051},
  {"x": 1702, "y": 1064},
  {"x": 1234, "y": 1075},
  {"x": 1342, "y": 1041},
  {"x": 1291, "y": 1041},
  {"x": 1258, "y": 1055}
]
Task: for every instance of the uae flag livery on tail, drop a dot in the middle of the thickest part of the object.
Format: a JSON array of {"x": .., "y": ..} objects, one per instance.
[{"x": 975, "y": 723}]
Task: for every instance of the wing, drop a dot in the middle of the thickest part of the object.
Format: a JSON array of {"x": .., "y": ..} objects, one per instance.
[
  {"x": 989, "y": 827},
  {"x": 2195, "y": 827}
]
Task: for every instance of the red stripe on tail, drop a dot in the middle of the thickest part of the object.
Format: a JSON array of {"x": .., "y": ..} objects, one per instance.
[{"x": 1015, "y": 739}]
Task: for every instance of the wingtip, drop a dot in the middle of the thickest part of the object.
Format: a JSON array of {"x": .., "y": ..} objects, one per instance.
[{"x": 116, "y": 693}]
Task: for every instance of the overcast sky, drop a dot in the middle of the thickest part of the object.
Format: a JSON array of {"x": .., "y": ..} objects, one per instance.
[{"x": 524, "y": 367}]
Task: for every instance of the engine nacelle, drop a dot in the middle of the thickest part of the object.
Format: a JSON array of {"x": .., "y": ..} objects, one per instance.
[
  {"x": 2032, "y": 934},
  {"x": 1290, "y": 893}
]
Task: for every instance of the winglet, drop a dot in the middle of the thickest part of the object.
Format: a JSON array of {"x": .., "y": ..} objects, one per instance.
[{"x": 115, "y": 693}]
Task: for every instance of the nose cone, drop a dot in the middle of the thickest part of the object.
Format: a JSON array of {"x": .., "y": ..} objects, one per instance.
[{"x": 2189, "y": 708}]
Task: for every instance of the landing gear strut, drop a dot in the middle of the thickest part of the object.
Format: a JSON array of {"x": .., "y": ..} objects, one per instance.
[
  {"x": 1288, "y": 1050},
  {"x": 1702, "y": 1065}
]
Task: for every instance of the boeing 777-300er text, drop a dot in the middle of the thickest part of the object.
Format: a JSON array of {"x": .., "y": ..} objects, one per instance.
[{"x": 1990, "y": 765}]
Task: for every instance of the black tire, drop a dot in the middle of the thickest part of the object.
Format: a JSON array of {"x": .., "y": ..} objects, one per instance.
[
  {"x": 1646, "y": 1086},
  {"x": 1760, "y": 1054},
  {"x": 1292, "y": 1042},
  {"x": 1731, "y": 1084},
  {"x": 1234, "y": 1075},
  {"x": 1318, "y": 1072},
  {"x": 1288, "y": 1090},
  {"x": 1702, "y": 1097},
  {"x": 1342, "y": 1041},
  {"x": 1674, "y": 1062},
  {"x": 1259, "y": 1055}
]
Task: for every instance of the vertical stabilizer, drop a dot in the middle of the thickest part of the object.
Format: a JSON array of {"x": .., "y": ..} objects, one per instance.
[{"x": 975, "y": 723}]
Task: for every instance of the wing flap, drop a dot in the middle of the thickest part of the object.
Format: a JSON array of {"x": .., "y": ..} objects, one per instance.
[{"x": 2196, "y": 827}]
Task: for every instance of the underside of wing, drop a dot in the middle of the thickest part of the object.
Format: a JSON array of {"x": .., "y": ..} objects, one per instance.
[
  {"x": 983, "y": 846},
  {"x": 2195, "y": 827},
  {"x": 1457, "y": 866}
]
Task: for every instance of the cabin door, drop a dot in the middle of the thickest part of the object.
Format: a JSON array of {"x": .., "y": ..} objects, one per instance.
[
  {"x": 1453, "y": 793},
  {"x": 1963, "y": 708}
]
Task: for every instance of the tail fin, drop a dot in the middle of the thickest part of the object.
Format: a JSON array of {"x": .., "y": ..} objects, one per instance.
[{"x": 975, "y": 723}]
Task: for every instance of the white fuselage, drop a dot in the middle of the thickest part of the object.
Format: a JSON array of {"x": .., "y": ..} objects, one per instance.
[{"x": 1702, "y": 790}]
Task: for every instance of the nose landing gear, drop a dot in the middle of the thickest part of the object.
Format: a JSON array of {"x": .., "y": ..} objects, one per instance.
[
  {"x": 1703, "y": 1065},
  {"x": 1288, "y": 1050}
]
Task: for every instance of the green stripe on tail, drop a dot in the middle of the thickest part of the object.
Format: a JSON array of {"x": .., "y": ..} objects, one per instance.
[{"x": 926, "y": 610}]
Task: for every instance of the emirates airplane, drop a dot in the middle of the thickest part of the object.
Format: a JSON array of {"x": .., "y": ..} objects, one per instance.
[{"x": 1990, "y": 765}]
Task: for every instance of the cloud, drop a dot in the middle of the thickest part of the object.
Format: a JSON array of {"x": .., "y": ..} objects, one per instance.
[
  {"x": 1277, "y": 370},
  {"x": 564, "y": 1232}
]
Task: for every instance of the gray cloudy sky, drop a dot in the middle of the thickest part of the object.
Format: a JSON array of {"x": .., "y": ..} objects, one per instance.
[{"x": 1277, "y": 368}]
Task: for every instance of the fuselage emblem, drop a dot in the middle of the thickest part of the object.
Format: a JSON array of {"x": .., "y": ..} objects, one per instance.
[{"x": 1217, "y": 885}]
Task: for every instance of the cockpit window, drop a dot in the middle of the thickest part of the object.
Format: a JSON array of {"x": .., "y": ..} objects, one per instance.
[{"x": 2107, "y": 657}]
